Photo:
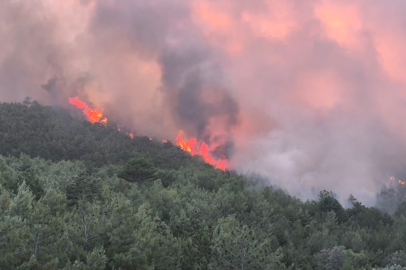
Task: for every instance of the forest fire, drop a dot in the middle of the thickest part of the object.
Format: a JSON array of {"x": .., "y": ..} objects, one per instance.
[
  {"x": 94, "y": 115},
  {"x": 200, "y": 149},
  {"x": 192, "y": 146}
]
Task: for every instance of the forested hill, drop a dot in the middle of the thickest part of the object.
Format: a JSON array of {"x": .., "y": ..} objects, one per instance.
[
  {"x": 76, "y": 195},
  {"x": 56, "y": 134}
]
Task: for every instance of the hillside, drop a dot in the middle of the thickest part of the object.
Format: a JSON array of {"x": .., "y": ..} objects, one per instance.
[{"x": 76, "y": 195}]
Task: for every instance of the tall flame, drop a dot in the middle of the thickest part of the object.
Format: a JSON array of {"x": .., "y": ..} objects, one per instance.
[
  {"x": 94, "y": 115},
  {"x": 200, "y": 149}
]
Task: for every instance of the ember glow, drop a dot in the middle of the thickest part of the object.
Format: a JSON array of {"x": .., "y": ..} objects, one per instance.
[
  {"x": 201, "y": 149},
  {"x": 93, "y": 115}
]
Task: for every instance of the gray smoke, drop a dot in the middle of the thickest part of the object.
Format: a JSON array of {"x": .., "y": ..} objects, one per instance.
[
  {"x": 310, "y": 95},
  {"x": 188, "y": 67}
]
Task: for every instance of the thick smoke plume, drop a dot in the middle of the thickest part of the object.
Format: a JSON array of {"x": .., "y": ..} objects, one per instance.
[{"x": 309, "y": 94}]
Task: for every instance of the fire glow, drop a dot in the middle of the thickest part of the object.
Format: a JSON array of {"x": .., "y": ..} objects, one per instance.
[
  {"x": 94, "y": 115},
  {"x": 200, "y": 149},
  {"x": 130, "y": 134},
  {"x": 400, "y": 182},
  {"x": 192, "y": 146}
]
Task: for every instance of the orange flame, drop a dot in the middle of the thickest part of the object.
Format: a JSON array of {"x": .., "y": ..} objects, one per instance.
[
  {"x": 103, "y": 121},
  {"x": 200, "y": 149},
  {"x": 94, "y": 115},
  {"x": 130, "y": 134},
  {"x": 402, "y": 182},
  {"x": 191, "y": 146},
  {"x": 80, "y": 104}
]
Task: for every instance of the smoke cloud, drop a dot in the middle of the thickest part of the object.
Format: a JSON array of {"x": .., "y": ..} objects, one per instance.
[{"x": 311, "y": 95}]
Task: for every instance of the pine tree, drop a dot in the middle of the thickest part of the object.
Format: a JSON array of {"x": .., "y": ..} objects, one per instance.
[{"x": 138, "y": 171}]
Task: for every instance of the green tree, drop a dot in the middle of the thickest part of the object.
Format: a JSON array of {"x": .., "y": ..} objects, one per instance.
[
  {"x": 144, "y": 242},
  {"x": 332, "y": 259},
  {"x": 394, "y": 267},
  {"x": 138, "y": 170},
  {"x": 235, "y": 246},
  {"x": 328, "y": 202}
]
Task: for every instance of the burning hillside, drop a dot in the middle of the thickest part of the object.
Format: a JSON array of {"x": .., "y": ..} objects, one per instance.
[
  {"x": 192, "y": 146},
  {"x": 200, "y": 148},
  {"x": 93, "y": 115}
]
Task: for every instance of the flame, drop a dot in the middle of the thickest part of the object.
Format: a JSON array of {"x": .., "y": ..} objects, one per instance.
[
  {"x": 75, "y": 101},
  {"x": 200, "y": 149},
  {"x": 94, "y": 115},
  {"x": 191, "y": 146},
  {"x": 103, "y": 121},
  {"x": 392, "y": 178},
  {"x": 130, "y": 134}
]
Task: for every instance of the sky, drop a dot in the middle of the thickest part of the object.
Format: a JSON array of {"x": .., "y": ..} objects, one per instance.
[{"x": 310, "y": 94}]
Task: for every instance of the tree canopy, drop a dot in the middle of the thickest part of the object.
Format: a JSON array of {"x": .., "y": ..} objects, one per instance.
[{"x": 75, "y": 195}]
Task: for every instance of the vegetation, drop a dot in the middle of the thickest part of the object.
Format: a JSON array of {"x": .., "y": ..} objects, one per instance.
[{"x": 79, "y": 196}]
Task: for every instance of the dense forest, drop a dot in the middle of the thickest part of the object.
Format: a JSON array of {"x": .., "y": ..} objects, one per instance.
[{"x": 76, "y": 195}]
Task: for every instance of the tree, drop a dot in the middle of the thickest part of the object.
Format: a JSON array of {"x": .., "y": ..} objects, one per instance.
[
  {"x": 83, "y": 187},
  {"x": 235, "y": 246},
  {"x": 27, "y": 101},
  {"x": 22, "y": 204},
  {"x": 332, "y": 259},
  {"x": 63, "y": 206},
  {"x": 394, "y": 267},
  {"x": 47, "y": 227},
  {"x": 138, "y": 170},
  {"x": 327, "y": 202},
  {"x": 401, "y": 211},
  {"x": 144, "y": 242},
  {"x": 397, "y": 258}
]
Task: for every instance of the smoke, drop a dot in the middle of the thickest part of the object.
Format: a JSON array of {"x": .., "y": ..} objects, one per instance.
[
  {"x": 311, "y": 95},
  {"x": 192, "y": 87}
]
